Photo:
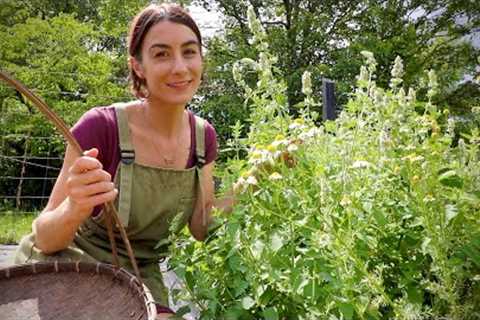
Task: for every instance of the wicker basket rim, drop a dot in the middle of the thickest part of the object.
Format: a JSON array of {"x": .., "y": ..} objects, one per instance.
[{"x": 38, "y": 268}]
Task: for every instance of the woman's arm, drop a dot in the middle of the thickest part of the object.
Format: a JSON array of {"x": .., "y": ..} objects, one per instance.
[
  {"x": 201, "y": 217},
  {"x": 81, "y": 185}
]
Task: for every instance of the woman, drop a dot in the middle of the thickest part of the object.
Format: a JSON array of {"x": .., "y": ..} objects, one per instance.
[{"x": 160, "y": 156}]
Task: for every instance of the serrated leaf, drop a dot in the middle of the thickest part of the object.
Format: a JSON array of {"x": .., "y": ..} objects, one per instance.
[
  {"x": 276, "y": 242},
  {"x": 451, "y": 212},
  {"x": 425, "y": 245},
  {"x": 257, "y": 249},
  {"x": 270, "y": 314},
  {"x": 347, "y": 310},
  {"x": 163, "y": 242},
  {"x": 470, "y": 198},
  {"x": 451, "y": 179},
  {"x": 415, "y": 295},
  {"x": 183, "y": 311}
]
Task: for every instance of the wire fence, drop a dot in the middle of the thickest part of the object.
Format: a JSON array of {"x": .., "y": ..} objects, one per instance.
[{"x": 29, "y": 167}]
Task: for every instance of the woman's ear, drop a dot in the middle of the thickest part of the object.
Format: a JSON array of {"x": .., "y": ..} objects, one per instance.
[{"x": 136, "y": 67}]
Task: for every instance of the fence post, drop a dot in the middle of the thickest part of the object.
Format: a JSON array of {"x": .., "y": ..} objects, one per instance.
[{"x": 328, "y": 94}]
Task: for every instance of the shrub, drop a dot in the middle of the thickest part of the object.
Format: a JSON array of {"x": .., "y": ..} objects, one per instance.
[{"x": 374, "y": 215}]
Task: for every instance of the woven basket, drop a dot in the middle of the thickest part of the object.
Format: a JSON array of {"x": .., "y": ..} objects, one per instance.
[{"x": 72, "y": 290}]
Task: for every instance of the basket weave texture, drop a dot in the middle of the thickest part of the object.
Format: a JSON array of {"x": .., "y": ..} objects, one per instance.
[{"x": 73, "y": 290}]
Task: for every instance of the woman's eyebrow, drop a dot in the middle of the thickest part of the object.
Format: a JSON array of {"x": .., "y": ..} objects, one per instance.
[{"x": 166, "y": 46}]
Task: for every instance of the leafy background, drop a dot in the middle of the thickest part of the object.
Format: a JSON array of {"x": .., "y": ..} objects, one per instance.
[{"x": 374, "y": 215}]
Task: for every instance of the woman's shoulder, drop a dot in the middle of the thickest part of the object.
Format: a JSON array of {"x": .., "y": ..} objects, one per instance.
[
  {"x": 208, "y": 127},
  {"x": 210, "y": 137},
  {"x": 103, "y": 115},
  {"x": 97, "y": 128}
]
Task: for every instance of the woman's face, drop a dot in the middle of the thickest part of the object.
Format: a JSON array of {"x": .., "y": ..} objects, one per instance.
[{"x": 171, "y": 63}]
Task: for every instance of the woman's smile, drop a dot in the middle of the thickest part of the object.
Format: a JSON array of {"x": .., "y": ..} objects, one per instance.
[{"x": 179, "y": 84}]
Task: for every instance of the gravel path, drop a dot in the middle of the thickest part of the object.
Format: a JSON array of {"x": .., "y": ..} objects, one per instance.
[{"x": 6, "y": 255}]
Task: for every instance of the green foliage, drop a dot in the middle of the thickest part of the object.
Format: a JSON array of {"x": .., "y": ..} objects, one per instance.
[
  {"x": 326, "y": 38},
  {"x": 14, "y": 225},
  {"x": 373, "y": 216},
  {"x": 69, "y": 54}
]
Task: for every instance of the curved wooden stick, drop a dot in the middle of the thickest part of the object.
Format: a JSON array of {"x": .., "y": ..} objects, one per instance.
[{"x": 63, "y": 128}]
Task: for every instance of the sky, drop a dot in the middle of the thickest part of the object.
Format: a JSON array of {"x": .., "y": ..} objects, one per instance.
[{"x": 208, "y": 22}]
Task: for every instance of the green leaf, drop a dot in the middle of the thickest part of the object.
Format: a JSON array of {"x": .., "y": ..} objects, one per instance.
[
  {"x": 415, "y": 295},
  {"x": 276, "y": 242},
  {"x": 451, "y": 212},
  {"x": 270, "y": 314},
  {"x": 239, "y": 286},
  {"x": 379, "y": 217},
  {"x": 470, "y": 198},
  {"x": 183, "y": 311},
  {"x": 451, "y": 179},
  {"x": 347, "y": 310},
  {"x": 257, "y": 249}
]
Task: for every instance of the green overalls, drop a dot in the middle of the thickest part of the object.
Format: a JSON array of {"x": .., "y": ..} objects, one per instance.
[{"x": 153, "y": 203}]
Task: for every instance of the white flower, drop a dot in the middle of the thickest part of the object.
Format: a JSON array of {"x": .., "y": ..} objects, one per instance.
[
  {"x": 432, "y": 84},
  {"x": 361, "y": 164},
  {"x": 451, "y": 126},
  {"x": 257, "y": 156},
  {"x": 345, "y": 201},
  {"x": 275, "y": 176},
  {"x": 281, "y": 142},
  {"x": 413, "y": 158},
  {"x": 251, "y": 181},
  {"x": 292, "y": 148},
  {"x": 296, "y": 125},
  {"x": 397, "y": 71},
  {"x": 371, "y": 62},
  {"x": 412, "y": 97},
  {"x": 239, "y": 185},
  {"x": 306, "y": 83},
  {"x": 323, "y": 239},
  {"x": 363, "y": 77},
  {"x": 367, "y": 54},
  {"x": 309, "y": 134}
]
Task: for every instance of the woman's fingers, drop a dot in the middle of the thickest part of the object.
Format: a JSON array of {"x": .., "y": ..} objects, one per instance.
[
  {"x": 95, "y": 200},
  {"x": 92, "y": 176},
  {"x": 83, "y": 191},
  {"x": 85, "y": 163},
  {"x": 88, "y": 185}
]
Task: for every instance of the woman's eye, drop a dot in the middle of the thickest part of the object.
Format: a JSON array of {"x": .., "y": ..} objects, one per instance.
[
  {"x": 161, "y": 54},
  {"x": 190, "y": 52}
]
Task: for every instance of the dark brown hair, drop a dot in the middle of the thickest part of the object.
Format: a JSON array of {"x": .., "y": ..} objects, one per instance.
[{"x": 143, "y": 22}]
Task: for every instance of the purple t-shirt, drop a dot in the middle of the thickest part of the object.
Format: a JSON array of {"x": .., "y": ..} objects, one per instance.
[{"x": 97, "y": 128}]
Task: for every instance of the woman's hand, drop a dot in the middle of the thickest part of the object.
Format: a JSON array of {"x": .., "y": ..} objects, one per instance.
[
  {"x": 81, "y": 185},
  {"x": 88, "y": 185}
]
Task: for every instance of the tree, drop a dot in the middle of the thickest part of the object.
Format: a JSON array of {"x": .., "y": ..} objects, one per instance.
[
  {"x": 326, "y": 38},
  {"x": 72, "y": 54}
]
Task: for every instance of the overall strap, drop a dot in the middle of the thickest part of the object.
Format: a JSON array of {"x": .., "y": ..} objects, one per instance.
[
  {"x": 200, "y": 153},
  {"x": 127, "y": 158},
  {"x": 200, "y": 141}
]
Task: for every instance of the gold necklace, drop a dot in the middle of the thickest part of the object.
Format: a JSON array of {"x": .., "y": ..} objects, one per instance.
[{"x": 167, "y": 161}]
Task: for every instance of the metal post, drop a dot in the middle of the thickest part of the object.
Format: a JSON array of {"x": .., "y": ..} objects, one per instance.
[{"x": 328, "y": 94}]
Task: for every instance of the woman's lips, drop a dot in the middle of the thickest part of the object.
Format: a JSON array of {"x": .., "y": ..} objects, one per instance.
[{"x": 179, "y": 84}]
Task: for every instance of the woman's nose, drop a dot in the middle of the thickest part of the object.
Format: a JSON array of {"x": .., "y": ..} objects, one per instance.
[{"x": 179, "y": 65}]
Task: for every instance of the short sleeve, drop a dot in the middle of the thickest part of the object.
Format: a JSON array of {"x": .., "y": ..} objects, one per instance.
[
  {"x": 211, "y": 147},
  {"x": 93, "y": 130}
]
